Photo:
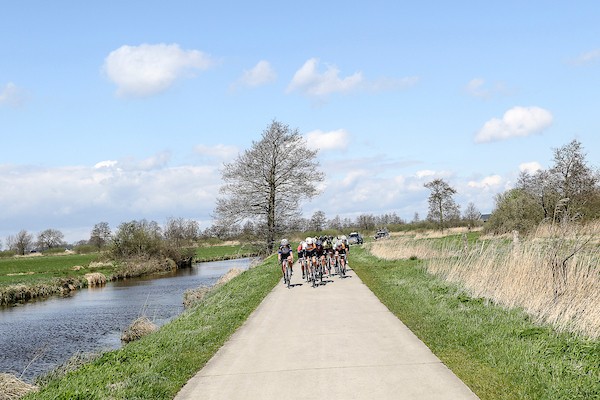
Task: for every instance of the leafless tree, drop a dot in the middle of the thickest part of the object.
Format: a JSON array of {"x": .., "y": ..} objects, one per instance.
[
  {"x": 318, "y": 221},
  {"x": 180, "y": 232},
  {"x": 576, "y": 181},
  {"x": 266, "y": 183},
  {"x": 50, "y": 238},
  {"x": 442, "y": 207},
  {"x": 21, "y": 243},
  {"x": 100, "y": 235},
  {"x": 471, "y": 215}
]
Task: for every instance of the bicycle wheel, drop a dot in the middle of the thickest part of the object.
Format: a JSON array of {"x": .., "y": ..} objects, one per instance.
[{"x": 288, "y": 274}]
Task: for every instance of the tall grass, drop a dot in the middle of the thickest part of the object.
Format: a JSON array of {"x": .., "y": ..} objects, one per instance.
[{"x": 553, "y": 275}]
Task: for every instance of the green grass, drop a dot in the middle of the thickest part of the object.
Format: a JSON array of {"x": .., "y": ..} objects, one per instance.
[
  {"x": 158, "y": 365},
  {"x": 26, "y": 278},
  {"x": 33, "y": 270},
  {"x": 498, "y": 353}
]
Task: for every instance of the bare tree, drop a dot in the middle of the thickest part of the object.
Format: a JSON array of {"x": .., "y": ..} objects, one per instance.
[
  {"x": 471, "y": 215},
  {"x": 266, "y": 183},
  {"x": 541, "y": 186},
  {"x": 21, "y": 243},
  {"x": 416, "y": 218},
  {"x": 442, "y": 207},
  {"x": 180, "y": 232},
  {"x": 335, "y": 223},
  {"x": 318, "y": 221},
  {"x": 100, "y": 235},
  {"x": 366, "y": 222},
  {"x": 50, "y": 238},
  {"x": 576, "y": 181}
]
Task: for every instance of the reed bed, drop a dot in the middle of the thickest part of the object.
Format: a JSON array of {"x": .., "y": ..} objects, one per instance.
[
  {"x": 139, "y": 328},
  {"x": 553, "y": 275},
  {"x": 12, "y": 388},
  {"x": 95, "y": 279}
]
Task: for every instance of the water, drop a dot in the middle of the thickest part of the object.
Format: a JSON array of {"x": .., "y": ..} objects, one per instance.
[{"x": 36, "y": 337}]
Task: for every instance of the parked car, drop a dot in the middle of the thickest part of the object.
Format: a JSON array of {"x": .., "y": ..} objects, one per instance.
[
  {"x": 382, "y": 233},
  {"x": 355, "y": 238}
]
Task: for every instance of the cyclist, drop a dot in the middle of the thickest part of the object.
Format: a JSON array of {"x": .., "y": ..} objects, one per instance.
[
  {"x": 328, "y": 252},
  {"x": 320, "y": 255},
  {"x": 285, "y": 254},
  {"x": 301, "y": 250},
  {"x": 340, "y": 253},
  {"x": 310, "y": 254}
]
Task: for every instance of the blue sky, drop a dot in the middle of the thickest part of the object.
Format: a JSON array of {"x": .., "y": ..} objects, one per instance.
[{"x": 113, "y": 111}]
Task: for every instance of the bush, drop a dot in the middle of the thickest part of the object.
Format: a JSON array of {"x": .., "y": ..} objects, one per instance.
[
  {"x": 85, "y": 249},
  {"x": 7, "y": 253},
  {"x": 516, "y": 210}
]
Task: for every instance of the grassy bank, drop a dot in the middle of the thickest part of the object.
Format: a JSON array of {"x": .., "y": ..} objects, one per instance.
[
  {"x": 158, "y": 365},
  {"x": 26, "y": 278},
  {"x": 499, "y": 353}
]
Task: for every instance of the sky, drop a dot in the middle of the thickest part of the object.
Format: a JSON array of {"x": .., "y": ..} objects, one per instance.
[{"x": 116, "y": 111}]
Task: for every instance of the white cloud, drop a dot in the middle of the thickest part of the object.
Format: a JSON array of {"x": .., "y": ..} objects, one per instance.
[
  {"x": 106, "y": 164},
  {"x": 312, "y": 82},
  {"x": 69, "y": 197},
  {"x": 219, "y": 151},
  {"x": 261, "y": 74},
  {"x": 530, "y": 167},
  {"x": 145, "y": 70},
  {"x": 516, "y": 122},
  {"x": 587, "y": 57},
  {"x": 477, "y": 88},
  {"x": 11, "y": 95},
  {"x": 489, "y": 182},
  {"x": 424, "y": 173},
  {"x": 333, "y": 140}
]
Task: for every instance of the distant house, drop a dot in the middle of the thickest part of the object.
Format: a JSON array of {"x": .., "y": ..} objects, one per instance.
[{"x": 485, "y": 217}]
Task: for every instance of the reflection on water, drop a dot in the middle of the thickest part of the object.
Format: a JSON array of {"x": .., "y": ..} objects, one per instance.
[{"x": 38, "y": 336}]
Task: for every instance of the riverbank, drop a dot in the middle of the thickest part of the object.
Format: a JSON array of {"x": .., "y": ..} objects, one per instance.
[
  {"x": 158, "y": 365},
  {"x": 33, "y": 278},
  {"x": 499, "y": 353}
]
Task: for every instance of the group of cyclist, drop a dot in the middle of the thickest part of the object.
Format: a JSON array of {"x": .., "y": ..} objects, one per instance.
[{"x": 317, "y": 256}]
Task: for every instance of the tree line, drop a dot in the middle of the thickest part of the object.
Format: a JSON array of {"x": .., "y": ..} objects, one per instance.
[{"x": 264, "y": 186}]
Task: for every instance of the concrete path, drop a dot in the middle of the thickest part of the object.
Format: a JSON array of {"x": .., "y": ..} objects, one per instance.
[{"x": 336, "y": 341}]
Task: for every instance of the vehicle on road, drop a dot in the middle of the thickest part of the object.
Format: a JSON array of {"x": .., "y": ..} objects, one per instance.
[
  {"x": 355, "y": 238},
  {"x": 381, "y": 234}
]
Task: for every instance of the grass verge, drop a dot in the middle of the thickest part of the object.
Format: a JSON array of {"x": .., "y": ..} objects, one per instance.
[
  {"x": 158, "y": 365},
  {"x": 498, "y": 353}
]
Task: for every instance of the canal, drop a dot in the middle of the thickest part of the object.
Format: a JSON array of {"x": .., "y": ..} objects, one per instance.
[{"x": 38, "y": 336}]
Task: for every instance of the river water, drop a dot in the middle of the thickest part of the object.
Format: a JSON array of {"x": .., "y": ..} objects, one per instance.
[{"x": 36, "y": 337}]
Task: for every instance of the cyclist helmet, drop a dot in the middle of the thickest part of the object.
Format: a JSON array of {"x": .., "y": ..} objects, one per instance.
[
  {"x": 309, "y": 240},
  {"x": 343, "y": 237},
  {"x": 284, "y": 242}
]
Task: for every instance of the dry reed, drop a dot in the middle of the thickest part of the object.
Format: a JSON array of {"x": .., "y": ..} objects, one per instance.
[
  {"x": 138, "y": 329},
  {"x": 232, "y": 273},
  {"x": 12, "y": 388},
  {"x": 553, "y": 275},
  {"x": 95, "y": 279},
  {"x": 194, "y": 296}
]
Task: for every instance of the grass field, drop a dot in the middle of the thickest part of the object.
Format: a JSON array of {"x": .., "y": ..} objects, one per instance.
[
  {"x": 214, "y": 253},
  {"x": 26, "y": 278},
  {"x": 29, "y": 270},
  {"x": 158, "y": 365},
  {"x": 499, "y": 353}
]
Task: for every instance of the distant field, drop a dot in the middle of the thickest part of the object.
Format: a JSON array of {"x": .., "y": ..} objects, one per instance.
[
  {"x": 212, "y": 253},
  {"x": 40, "y": 269},
  {"x": 31, "y": 270}
]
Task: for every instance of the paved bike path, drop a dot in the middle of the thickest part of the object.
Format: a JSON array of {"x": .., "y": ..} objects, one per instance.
[{"x": 336, "y": 341}]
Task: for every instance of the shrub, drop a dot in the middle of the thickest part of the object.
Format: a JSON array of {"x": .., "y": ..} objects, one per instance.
[{"x": 138, "y": 329}]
